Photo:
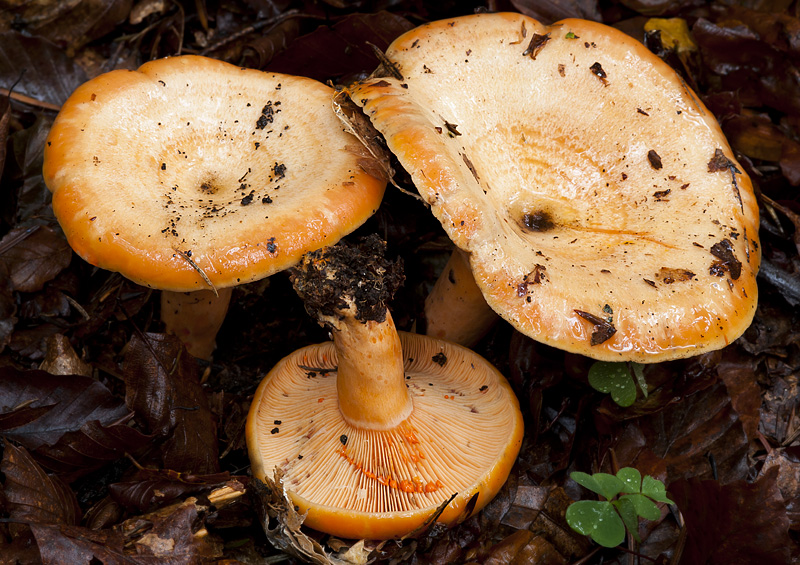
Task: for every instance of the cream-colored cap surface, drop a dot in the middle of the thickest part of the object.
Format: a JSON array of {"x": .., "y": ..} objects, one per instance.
[
  {"x": 191, "y": 169},
  {"x": 603, "y": 209}
]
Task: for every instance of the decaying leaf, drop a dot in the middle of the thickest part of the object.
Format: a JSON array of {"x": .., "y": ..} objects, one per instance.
[
  {"x": 80, "y": 452},
  {"x": 281, "y": 522},
  {"x": 343, "y": 48},
  {"x": 32, "y": 495},
  {"x": 550, "y": 11},
  {"x": 735, "y": 523},
  {"x": 72, "y": 23},
  {"x": 788, "y": 480},
  {"x": 376, "y": 158},
  {"x": 739, "y": 376},
  {"x": 71, "y": 544},
  {"x": 72, "y": 402},
  {"x": 150, "y": 488},
  {"x": 541, "y": 510},
  {"x": 61, "y": 358},
  {"x": 523, "y": 546},
  {"x": 174, "y": 536},
  {"x": 702, "y": 436},
  {"x": 33, "y": 255},
  {"x": 40, "y": 69},
  {"x": 163, "y": 389}
]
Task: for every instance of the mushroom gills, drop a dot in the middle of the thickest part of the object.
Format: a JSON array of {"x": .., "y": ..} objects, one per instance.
[{"x": 573, "y": 172}]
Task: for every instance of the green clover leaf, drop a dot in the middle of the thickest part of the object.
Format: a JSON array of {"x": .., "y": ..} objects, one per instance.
[
  {"x": 598, "y": 519},
  {"x": 627, "y": 512},
  {"x": 628, "y": 497},
  {"x": 603, "y": 484},
  {"x": 614, "y": 379},
  {"x": 655, "y": 489},
  {"x": 631, "y": 478}
]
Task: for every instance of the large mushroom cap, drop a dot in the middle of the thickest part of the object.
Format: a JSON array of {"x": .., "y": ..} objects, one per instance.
[
  {"x": 462, "y": 437},
  {"x": 193, "y": 171},
  {"x": 603, "y": 209}
]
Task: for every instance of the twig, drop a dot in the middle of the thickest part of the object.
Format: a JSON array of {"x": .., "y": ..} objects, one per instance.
[
  {"x": 17, "y": 238},
  {"x": 28, "y": 100},
  {"x": 198, "y": 269},
  {"x": 81, "y": 310}
]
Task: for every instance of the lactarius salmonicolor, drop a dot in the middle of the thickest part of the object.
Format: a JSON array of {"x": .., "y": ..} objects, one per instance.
[
  {"x": 192, "y": 176},
  {"x": 376, "y": 430},
  {"x": 601, "y": 206}
]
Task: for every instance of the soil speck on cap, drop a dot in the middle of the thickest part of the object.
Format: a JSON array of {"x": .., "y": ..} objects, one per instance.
[
  {"x": 719, "y": 162},
  {"x": 452, "y": 129},
  {"x": 669, "y": 276},
  {"x": 655, "y": 159},
  {"x": 597, "y": 70},
  {"x": 536, "y": 45},
  {"x": 603, "y": 330},
  {"x": 723, "y": 250}
]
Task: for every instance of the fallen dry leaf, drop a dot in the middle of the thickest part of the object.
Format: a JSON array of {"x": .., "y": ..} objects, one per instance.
[
  {"x": 71, "y": 24},
  {"x": 65, "y": 544},
  {"x": 33, "y": 496},
  {"x": 788, "y": 480},
  {"x": 72, "y": 402},
  {"x": 698, "y": 437},
  {"x": 163, "y": 389},
  {"x": 177, "y": 537},
  {"x": 61, "y": 358},
  {"x": 148, "y": 489},
  {"x": 330, "y": 52},
  {"x": 78, "y": 453},
  {"x": 33, "y": 255},
  {"x": 734, "y": 524},
  {"x": 739, "y": 375}
]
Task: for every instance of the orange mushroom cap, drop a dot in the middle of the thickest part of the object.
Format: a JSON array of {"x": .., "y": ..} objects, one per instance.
[
  {"x": 601, "y": 205},
  {"x": 192, "y": 171},
  {"x": 374, "y": 432},
  {"x": 461, "y": 438}
]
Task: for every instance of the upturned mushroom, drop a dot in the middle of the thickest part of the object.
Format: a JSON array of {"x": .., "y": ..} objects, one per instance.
[
  {"x": 192, "y": 176},
  {"x": 601, "y": 207},
  {"x": 376, "y": 430}
]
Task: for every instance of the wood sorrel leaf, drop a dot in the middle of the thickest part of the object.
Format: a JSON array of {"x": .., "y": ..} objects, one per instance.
[
  {"x": 614, "y": 379},
  {"x": 643, "y": 506},
  {"x": 631, "y": 478},
  {"x": 597, "y": 519},
  {"x": 638, "y": 372},
  {"x": 627, "y": 512},
  {"x": 655, "y": 489},
  {"x": 603, "y": 484}
]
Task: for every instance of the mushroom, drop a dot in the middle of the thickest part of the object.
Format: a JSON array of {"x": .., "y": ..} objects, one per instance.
[
  {"x": 192, "y": 176},
  {"x": 378, "y": 429},
  {"x": 599, "y": 203},
  {"x": 455, "y": 309}
]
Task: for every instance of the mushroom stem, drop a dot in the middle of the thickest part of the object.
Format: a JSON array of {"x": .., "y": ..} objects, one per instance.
[
  {"x": 195, "y": 317},
  {"x": 455, "y": 309},
  {"x": 370, "y": 378}
]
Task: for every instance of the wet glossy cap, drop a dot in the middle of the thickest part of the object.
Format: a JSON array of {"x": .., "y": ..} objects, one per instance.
[
  {"x": 462, "y": 438},
  {"x": 603, "y": 209},
  {"x": 192, "y": 171}
]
